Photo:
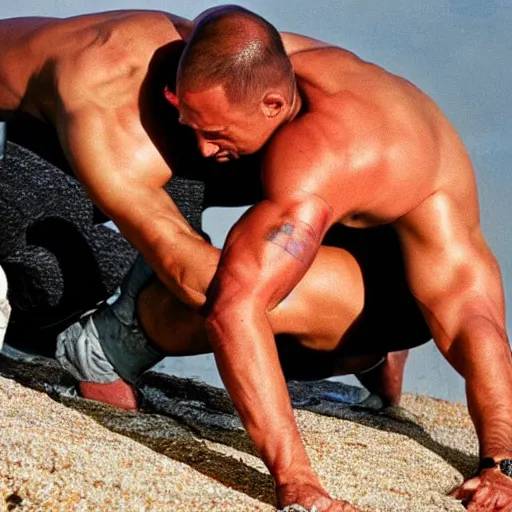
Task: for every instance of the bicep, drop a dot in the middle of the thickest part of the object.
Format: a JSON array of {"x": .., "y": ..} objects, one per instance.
[{"x": 270, "y": 248}]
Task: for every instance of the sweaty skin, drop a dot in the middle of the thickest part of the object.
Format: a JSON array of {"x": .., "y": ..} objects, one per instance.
[
  {"x": 88, "y": 77},
  {"x": 366, "y": 148}
]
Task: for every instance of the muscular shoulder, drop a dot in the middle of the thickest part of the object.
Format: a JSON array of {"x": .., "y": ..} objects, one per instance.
[
  {"x": 348, "y": 152},
  {"x": 110, "y": 58},
  {"x": 19, "y": 58},
  {"x": 295, "y": 43},
  {"x": 338, "y": 136},
  {"x": 300, "y": 158}
]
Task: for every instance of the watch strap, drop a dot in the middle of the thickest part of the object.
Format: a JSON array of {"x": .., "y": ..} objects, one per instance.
[{"x": 505, "y": 465}]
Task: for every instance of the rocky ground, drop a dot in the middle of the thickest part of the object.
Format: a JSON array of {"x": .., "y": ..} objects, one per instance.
[{"x": 186, "y": 450}]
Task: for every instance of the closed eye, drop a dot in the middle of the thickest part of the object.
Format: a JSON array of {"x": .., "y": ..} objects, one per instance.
[{"x": 211, "y": 135}]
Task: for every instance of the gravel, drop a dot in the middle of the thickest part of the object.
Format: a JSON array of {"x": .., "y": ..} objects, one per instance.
[{"x": 56, "y": 458}]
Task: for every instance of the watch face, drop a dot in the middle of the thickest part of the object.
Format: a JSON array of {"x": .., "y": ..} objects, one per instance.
[{"x": 506, "y": 467}]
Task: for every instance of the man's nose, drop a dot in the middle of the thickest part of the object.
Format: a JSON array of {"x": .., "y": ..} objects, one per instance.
[{"x": 206, "y": 147}]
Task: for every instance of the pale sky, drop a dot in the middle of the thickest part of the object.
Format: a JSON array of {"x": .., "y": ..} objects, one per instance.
[{"x": 458, "y": 51}]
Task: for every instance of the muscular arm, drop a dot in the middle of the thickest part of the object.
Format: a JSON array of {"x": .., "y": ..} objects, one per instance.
[
  {"x": 265, "y": 256},
  {"x": 457, "y": 282},
  {"x": 124, "y": 175}
]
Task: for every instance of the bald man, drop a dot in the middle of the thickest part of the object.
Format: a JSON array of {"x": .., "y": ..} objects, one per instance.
[
  {"x": 102, "y": 83},
  {"x": 347, "y": 142}
]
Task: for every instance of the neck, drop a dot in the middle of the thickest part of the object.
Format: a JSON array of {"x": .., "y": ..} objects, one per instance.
[{"x": 295, "y": 107}]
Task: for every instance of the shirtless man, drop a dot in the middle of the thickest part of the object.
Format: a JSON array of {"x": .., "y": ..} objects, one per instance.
[
  {"x": 356, "y": 146},
  {"x": 93, "y": 78},
  {"x": 359, "y": 146},
  {"x": 98, "y": 80}
]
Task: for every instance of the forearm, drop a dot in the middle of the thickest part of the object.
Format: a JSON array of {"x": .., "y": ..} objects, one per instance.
[
  {"x": 248, "y": 362},
  {"x": 181, "y": 258},
  {"x": 186, "y": 264},
  {"x": 481, "y": 353}
]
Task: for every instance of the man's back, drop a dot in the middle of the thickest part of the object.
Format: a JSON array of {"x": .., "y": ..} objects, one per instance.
[
  {"x": 379, "y": 130},
  {"x": 369, "y": 148},
  {"x": 376, "y": 150},
  {"x": 101, "y": 59},
  {"x": 95, "y": 79}
]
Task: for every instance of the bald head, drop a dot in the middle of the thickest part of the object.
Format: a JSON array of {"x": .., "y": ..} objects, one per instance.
[{"x": 235, "y": 48}]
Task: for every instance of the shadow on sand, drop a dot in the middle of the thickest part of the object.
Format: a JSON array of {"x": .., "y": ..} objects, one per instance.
[{"x": 178, "y": 414}]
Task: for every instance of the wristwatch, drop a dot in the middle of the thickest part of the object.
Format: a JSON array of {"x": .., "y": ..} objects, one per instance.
[{"x": 504, "y": 465}]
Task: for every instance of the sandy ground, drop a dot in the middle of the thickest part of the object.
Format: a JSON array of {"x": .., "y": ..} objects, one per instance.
[{"x": 57, "y": 458}]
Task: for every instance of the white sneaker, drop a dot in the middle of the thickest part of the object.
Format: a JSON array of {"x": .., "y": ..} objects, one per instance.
[{"x": 5, "y": 307}]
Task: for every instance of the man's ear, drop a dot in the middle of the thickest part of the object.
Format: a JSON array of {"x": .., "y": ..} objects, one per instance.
[
  {"x": 272, "y": 104},
  {"x": 171, "y": 97}
]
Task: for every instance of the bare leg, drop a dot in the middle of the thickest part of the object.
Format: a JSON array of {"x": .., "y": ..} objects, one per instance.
[
  {"x": 318, "y": 312},
  {"x": 174, "y": 327},
  {"x": 385, "y": 380}
]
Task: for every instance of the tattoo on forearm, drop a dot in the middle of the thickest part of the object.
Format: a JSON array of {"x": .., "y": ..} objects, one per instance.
[{"x": 295, "y": 239}]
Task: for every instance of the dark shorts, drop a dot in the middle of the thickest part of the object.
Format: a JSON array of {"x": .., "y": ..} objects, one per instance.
[
  {"x": 59, "y": 257},
  {"x": 391, "y": 319},
  {"x": 58, "y": 262}
]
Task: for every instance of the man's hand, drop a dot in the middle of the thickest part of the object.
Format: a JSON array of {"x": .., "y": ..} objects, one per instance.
[
  {"x": 491, "y": 491},
  {"x": 308, "y": 496}
]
